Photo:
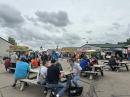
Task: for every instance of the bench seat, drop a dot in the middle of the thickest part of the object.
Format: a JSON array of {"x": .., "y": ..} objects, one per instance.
[{"x": 30, "y": 81}]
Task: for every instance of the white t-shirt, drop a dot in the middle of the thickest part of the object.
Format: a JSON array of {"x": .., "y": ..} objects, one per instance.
[
  {"x": 13, "y": 58},
  {"x": 42, "y": 72},
  {"x": 76, "y": 69}
]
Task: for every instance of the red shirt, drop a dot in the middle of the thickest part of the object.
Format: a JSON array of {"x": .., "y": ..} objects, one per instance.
[
  {"x": 34, "y": 63},
  {"x": 7, "y": 62}
]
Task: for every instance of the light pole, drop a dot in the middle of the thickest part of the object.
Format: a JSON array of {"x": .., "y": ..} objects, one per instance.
[{"x": 86, "y": 40}]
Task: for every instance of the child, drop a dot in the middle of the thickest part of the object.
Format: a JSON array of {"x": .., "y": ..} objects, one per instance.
[{"x": 7, "y": 63}]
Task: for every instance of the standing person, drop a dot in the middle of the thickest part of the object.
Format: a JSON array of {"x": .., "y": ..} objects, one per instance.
[
  {"x": 23, "y": 55},
  {"x": 21, "y": 71},
  {"x": 76, "y": 70},
  {"x": 77, "y": 55},
  {"x": 53, "y": 78},
  {"x": 54, "y": 55},
  {"x": 13, "y": 59}
]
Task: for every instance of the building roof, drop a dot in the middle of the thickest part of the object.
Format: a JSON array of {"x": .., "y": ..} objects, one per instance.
[
  {"x": 71, "y": 47},
  {"x": 104, "y": 45},
  {"x": 5, "y": 40}
]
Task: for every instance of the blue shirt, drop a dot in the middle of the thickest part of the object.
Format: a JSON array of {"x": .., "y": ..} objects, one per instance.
[
  {"x": 21, "y": 70},
  {"x": 83, "y": 64},
  {"x": 23, "y": 56},
  {"x": 55, "y": 56}
]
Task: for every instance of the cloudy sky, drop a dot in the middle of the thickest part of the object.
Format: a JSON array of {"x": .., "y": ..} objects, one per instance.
[{"x": 64, "y": 22}]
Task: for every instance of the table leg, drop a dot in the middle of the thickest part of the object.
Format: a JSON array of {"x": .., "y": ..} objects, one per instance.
[
  {"x": 22, "y": 86},
  {"x": 91, "y": 77},
  {"x": 102, "y": 74},
  {"x": 127, "y": 67}
]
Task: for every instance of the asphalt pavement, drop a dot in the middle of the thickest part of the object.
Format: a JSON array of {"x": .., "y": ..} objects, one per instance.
[{"x": 113, "y": 84}]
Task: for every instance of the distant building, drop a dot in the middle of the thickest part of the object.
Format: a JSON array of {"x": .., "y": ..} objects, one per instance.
[
  {"x": 103, "y": 47},
  {"x": 4, "y": 46},
  {"x": 106, "y": 49},
  {"x": 69, "y": 49}
]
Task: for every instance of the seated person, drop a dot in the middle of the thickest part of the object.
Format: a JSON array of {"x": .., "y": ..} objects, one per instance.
[
  {"x": 76, "y": 69},
  {"x": 34, "y": 63},
  {"x": 41, "y": 76},
  {"x": 21, "y": 71},
  {"x": 94, "y": 61},
  {"x": 84, "y": 63},
  {"x": 112, "y": 63},
  {"x": 53, "y": 78},
  {"x": 59, "y": 66},
  {"x": 118, "y": 59}
]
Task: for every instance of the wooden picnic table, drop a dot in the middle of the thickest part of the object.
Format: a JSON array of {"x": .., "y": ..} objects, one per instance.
[
  {"x": 124, "y": 64},
  {"x": 98, "y": 67},
  {"x": 34, "y": 81},
  {"x": 121, "y": 64},
  {"x": 95, "y": 69},
  {"x": 105, "y": 62},
  {"x": 36, "y": 70}
]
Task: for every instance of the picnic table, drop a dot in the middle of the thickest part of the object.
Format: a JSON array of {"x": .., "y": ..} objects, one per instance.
[
  {"x": 121, "y": 64},
  {"x": 124, "y": 64},
  {"x": 105, "y": 62},
  {"x": 36, "y": 70},
  {"x": 95, "y": 70},
  {"x": 98, "y": 68},
  {"x": 32, "y": 79}
]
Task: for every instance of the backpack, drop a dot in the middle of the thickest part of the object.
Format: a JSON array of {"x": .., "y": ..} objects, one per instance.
[{"x": 75, "y": 91}]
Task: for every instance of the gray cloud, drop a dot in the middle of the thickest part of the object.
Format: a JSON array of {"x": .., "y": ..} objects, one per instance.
[
  {"x": 127, "y": 32},
  {"x": 36, "y": 38},
  {"x": 9, "y": 16},
  {"x": 112, "y": 35},
  {"x": 27, "y": 34},
  {"x": 115, "y": 26},
  {"x": 51, "y": 28},
  {"x": 89, "y": 32},
  {"x": 54, "y": 28},
  {"x": 47, "y": 26},
  {"x": 59, "y": 19},
  {"x": 71, "y": 39}
]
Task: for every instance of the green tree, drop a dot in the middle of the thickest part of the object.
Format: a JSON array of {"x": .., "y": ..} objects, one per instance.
[
  {"x": 125, "y": 43},
  {"x": 128, "y": 41},
  {"x": 12, "y": 40}
]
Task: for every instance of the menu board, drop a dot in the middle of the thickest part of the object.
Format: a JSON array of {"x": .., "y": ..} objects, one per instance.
[{"x": 65, "y": 65}]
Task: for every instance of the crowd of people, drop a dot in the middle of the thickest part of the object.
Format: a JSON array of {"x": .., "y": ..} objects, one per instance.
[{"x": 50, "y": 69}]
